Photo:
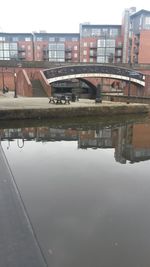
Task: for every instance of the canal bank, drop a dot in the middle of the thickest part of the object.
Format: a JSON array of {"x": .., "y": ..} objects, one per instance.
[{"x": 40, "y": 108}]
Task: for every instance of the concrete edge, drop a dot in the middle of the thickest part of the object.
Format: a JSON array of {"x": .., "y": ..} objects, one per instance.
[{"x": 65, "y": 112}]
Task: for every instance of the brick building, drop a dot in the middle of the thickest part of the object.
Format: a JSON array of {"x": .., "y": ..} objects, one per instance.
[
  {"x": 128, "y": 42},
  {"x": 140, "y": 37}
]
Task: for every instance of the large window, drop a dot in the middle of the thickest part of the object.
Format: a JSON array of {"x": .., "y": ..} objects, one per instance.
[
  {"x": 8, "y": 50},
  {"x": 57, "y": 52},
  {"x": 2, "y": 38},
  {"x": 13, "y": 46},
  {"x": 105, "y": 50},
  {"x": 101, "y": 59},
  {"x": 147, "y": 22}
]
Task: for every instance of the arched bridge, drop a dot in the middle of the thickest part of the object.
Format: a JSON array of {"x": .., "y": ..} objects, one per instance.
[{"x": 93, "y": 71}]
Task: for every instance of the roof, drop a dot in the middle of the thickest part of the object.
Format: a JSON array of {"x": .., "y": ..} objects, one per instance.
[
  {"x": 100, "y": 25},
  {"x": 140, "y": 12}
]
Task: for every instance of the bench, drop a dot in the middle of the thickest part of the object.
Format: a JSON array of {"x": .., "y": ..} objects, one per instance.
[{"x": 59, "y": 99}]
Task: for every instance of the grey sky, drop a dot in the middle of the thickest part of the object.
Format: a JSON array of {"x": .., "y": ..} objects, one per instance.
[{"x": 62, "y": 15}]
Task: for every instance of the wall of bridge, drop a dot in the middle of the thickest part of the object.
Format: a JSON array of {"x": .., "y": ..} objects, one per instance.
[{"x": 32, "y": 73}]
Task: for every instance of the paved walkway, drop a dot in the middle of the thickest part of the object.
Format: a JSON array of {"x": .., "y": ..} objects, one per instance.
[{"x": 30, "y": 107}]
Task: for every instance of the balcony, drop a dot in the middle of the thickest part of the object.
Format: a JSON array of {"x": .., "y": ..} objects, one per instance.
[
  {"x": 136, "y": 50},
  {"x": 136, "y": 41},
  {"x": 21, "y": 56},
  {"x": 118, "y": 55},
  {"x": 93, "y": 46},
  {"x": 93, "y": 54},
  {"x": 45, "y": 57},
  {"x": 45, "y": 50},
  {"x": 69, "y": 49},
  {"x": 20, "y": 50},
  {"x": 119, "y": 46}
]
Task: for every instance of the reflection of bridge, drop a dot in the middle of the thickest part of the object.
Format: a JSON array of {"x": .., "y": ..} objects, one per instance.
[{"x": 93, "y": 71}]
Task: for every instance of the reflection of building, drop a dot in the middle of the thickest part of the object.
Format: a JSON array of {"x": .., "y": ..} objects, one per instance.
[
  {"x": 101, "y": 138},
  {"x": 130, "y": 141},
  {"x": 139, "y": 148}
]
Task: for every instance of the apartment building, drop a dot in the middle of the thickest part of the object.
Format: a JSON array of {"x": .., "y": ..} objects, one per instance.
[
  {"x": 140, "y": 37},
  {"x": 100, "y": 43},
  {"x": 128, "y": 42},
  {"x": 16, "y": 46},
  {"x": 57, "y": 47}
]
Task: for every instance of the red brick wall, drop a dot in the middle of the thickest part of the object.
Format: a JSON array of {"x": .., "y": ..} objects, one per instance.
[
  {"x": 24, "y": 87},
  {"x": 32, "y": 74},
  {"x": 141, "y": 134},
  {"x": 144, "y": 48}
]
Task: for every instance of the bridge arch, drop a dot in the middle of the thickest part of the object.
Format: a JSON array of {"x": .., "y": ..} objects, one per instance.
[{"x": 82, "y": 71}]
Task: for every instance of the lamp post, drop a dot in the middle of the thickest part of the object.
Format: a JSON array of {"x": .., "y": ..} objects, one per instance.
[
  {"x": 129, "y": 88},
  {"x": 15, "y": 87},
  {"x": 3, "y": 83}
]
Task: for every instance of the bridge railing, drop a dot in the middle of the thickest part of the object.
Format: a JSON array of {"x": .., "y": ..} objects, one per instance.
[{"x": 68, "y": 70}]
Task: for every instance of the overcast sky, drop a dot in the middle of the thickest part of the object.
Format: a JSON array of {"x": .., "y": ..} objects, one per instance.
[{"x": 62, "y": 16}]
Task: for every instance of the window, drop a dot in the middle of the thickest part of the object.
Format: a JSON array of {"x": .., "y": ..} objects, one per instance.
[
  {"x": 100, "y": 51},
  {"x": 91, "y": 52},
  {"x": 75, "y": 47},
  {"x": 101, "y": 59},
  {"x": 60, "y": 46},
  {"x": 29, "y": 47},
  {"x": 13, "y": 46},
  {"x": 38, "y": 47},
  {"x": 6, "y": 54},
  {"x": 39, "y": 39},
  {"x": 27, "y": 39},
  {"x": 57, "y": 52},
  {"x": 51, "y": 39},
  {"x": 110, "y": 43},
  {"x": 74, "y": 39},
  {"x": 84, "y": 52},
  {"x": 6, "y": 46},
  {"x": 119, "y": 52},
  {"x": 15, "y": 39},
  {"x": 110, "y": 50},
  {"x": 13, "y": 54},
  {"x": 1, "y": 46},
  {"x": 114, "y": 32},
  {"x": 84, "y": 60},
  {"x": 92, "y": 45},
  {"x": 2, "y": 38},
  {"x": 52, "y": 46},
  {"x": 95, "y": 32},
  {"x": 147, "y": 20},
  {"x": 85, "y": 44},
  {"x": 118, "y": 60},
  {"x": 75, "y": 55},
  {"x": 91, "y": 59},
  {"x": 1, "y": 54},
  {"x": 62, "y": 39},
  {"x": 147, "y": 23},
  {"x": 101, "y": 43}
]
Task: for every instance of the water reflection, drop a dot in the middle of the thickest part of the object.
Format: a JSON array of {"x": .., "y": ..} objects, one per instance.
[
  {"x": 131, "y": 141},
  {"x": 86, "y": 209}
]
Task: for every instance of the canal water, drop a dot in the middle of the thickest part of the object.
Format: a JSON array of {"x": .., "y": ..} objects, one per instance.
[{"x": 86, "y": 188}]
